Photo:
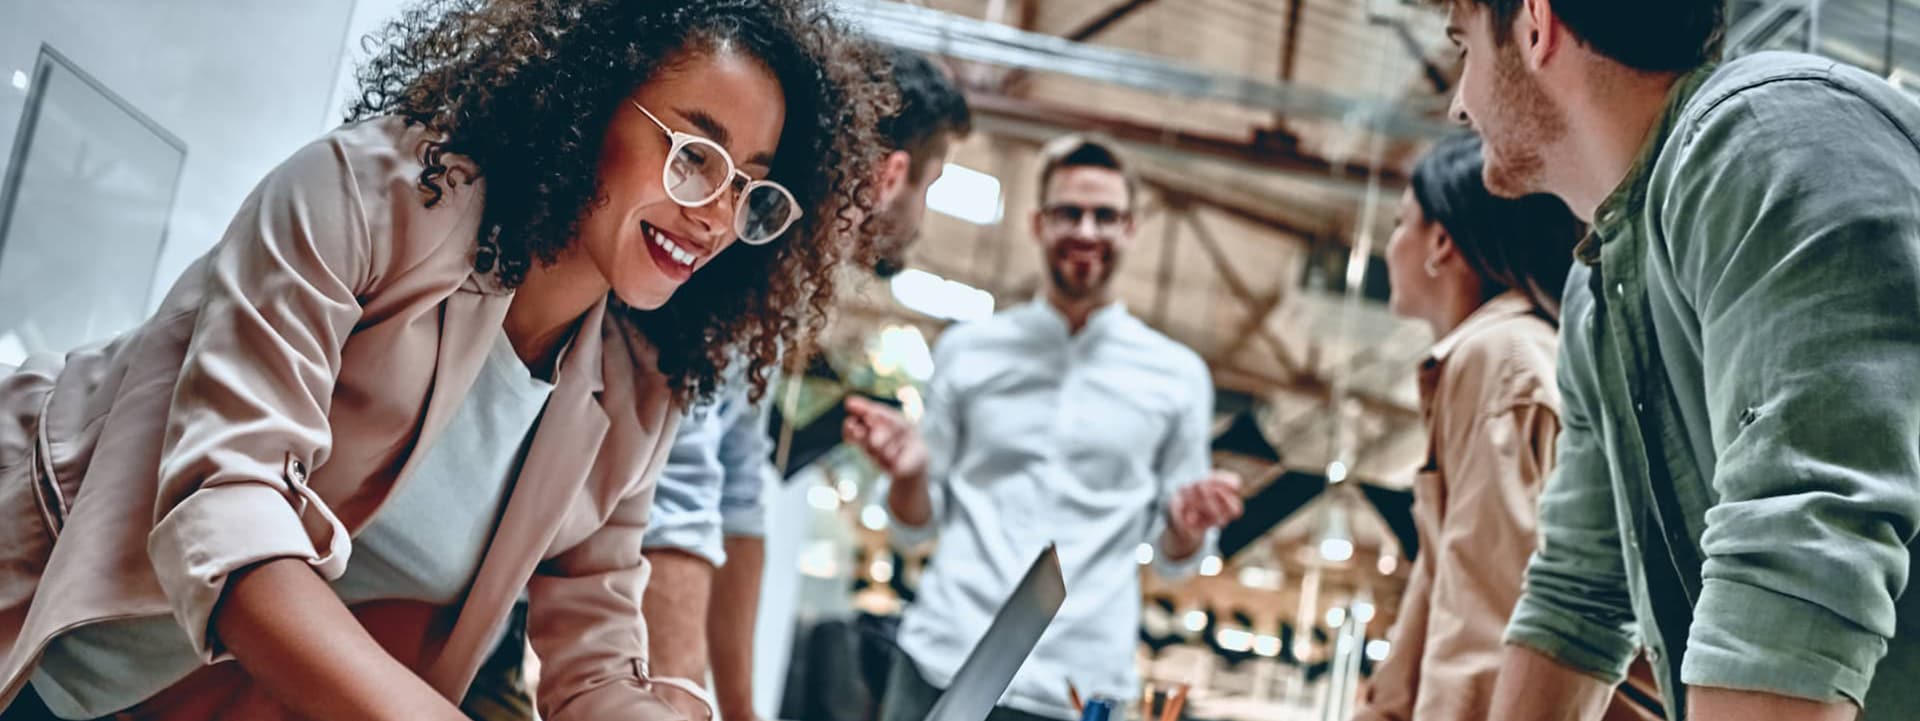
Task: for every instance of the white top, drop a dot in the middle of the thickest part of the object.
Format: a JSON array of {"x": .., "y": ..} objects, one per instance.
[
  {"x": 427, "y": 540},
  {"x": 425, "y": 544},
  {"x": 1036, "y": 436}
]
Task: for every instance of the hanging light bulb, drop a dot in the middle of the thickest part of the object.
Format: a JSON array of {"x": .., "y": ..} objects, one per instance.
[
  {"x": 874, "y": 518},
  {"x": 1234, "y": 639},
  {"x": 1336, "y": 543},
  {"x": 1378, "y": 649},
  {"x": 1211, "y": 566},
  {"x": 1336, "y": 550},
  {"x": 1266, "y": 645},
  {"x": 1195, "y": 620}
]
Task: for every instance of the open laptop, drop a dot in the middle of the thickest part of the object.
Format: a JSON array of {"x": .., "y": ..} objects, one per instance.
[{"x": 984, "y": 676}]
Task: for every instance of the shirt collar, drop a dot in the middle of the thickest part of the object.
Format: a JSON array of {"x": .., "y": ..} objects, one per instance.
[
  {"x": 1049, "y": 317},
  {"x": 1631, "y": 194},
  {"x": 1503, "y": 306}
]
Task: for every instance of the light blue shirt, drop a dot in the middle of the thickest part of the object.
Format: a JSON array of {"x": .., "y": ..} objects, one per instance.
[
  {"x": 1035, "y": 436},
  {"x": 710, "y": 488}
]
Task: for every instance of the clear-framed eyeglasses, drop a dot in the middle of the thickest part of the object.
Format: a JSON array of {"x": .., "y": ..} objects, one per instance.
[{"x": 698, "y": 171}]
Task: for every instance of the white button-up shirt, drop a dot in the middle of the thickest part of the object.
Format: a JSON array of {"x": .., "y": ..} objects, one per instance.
[{"x": 1037, "y": 436}]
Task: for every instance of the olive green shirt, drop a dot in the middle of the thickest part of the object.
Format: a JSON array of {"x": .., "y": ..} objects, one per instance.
[{"x": 1738, "y": 485}]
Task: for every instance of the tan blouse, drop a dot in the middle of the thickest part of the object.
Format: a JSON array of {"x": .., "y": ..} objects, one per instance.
[{"x": 1491, "y": 406}]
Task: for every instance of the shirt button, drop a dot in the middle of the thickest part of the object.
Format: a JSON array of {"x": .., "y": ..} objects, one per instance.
[{"x": 1619, "y": 289}]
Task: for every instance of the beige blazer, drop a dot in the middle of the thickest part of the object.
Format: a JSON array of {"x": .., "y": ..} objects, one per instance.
[
  {"x": 274, "y": 402},
  {"x": 1492, "y": 413}
]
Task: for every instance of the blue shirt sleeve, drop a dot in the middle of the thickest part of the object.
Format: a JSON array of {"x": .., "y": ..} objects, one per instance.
[
  {"x": 744, "y": 453},
  {"x": 686, "y": 513}
]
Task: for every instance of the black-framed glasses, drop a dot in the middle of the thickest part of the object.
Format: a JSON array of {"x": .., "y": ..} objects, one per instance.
[
  {"x": 1066, "y": 217},
  {"x": 698, "y": 171}
]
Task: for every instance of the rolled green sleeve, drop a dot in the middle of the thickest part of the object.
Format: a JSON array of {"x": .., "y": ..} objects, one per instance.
[
  {"x": 1757, "y": 639},
  {"x": 1792, "y": 225},
  {"x": 1576, "y": 608}
]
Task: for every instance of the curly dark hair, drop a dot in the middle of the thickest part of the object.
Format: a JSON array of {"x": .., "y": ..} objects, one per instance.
[{"x": 525, "y": 89}]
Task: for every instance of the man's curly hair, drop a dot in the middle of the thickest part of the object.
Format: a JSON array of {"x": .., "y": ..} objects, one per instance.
[{"x": 526, "y": 88}]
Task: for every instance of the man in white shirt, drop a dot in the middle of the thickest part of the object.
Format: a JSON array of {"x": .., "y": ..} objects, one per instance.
[{"x": 1063, "y": 421}]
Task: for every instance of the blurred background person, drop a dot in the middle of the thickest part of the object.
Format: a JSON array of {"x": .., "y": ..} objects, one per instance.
[
  {"x": 1067, "y": 421},
  {"x": 932, "y": 116}
]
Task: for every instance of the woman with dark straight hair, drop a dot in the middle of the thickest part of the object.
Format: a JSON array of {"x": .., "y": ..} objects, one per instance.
[{"x": 1485, "y": 274}]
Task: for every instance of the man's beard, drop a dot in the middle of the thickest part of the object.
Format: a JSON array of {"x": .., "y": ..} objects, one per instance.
[
  {"x": 1514, "y": 149},
  {"x": 1071, "y": 287},
  {"x": 889, "y": 265},
  {"x": 893, "y": 237}
]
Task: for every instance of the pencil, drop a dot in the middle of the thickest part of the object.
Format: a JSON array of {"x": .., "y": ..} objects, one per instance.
[
  {"x": 1073, "y": 694},
  {"x": 1175, "y": 704}
]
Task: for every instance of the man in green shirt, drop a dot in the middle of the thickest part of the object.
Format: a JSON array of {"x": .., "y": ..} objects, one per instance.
[{"x": 1738, "y": 488}]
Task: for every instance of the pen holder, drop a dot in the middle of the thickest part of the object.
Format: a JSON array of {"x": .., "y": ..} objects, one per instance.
[{"x": 1098, "y": 709}]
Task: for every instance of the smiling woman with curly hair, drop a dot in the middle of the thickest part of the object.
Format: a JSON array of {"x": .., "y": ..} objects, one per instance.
[
  {"x": 437, "y": 358},
  {"x": 445, "y": 70}
]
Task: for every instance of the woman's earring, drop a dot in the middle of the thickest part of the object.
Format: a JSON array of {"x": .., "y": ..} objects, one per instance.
[{"x": 1433, "y": 267}]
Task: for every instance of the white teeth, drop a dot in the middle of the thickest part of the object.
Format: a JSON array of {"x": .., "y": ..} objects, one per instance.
[{"x": 673, "y": 250}]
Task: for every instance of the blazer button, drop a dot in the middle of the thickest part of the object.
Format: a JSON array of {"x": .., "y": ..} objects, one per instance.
[{"x": 296, "y": 471}]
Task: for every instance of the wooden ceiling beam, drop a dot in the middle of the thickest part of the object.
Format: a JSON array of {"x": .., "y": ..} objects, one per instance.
[
  {"x": 1238, "y": 286},
  {"x": 1015, "y": 82},
  {"x": 1099, "y": 23},
  {"x": 1278, "y": 156}
]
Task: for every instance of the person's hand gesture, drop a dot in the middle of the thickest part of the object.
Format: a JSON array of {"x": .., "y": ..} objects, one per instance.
[
  {"x": 886, "y": 437},
  {"x": 1211, "y": 503}
]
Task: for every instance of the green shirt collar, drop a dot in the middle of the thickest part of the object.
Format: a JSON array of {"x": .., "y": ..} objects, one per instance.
[{"x": 1627, "y": 198}]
